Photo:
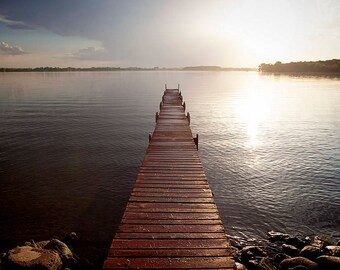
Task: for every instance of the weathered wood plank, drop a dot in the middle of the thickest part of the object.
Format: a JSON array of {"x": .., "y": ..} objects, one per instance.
[
  {"x": 168, "y": 243},
  {"x": 170, "y": 228},
  {"x": 169, "y": 253},
  {"x": 172, "y": 235},
  {"x": 170, "y": 263}
]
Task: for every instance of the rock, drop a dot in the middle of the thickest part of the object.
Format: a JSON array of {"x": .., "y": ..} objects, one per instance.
[
  {"x": 254, "y": 265},
  {"x": 296, "y": 242},
  {"x": 42, "y": 244},
  {"x": 251, "y": 252},
  {"x": 240, "y": 266},
  {"x": 63, "y": 250},
  {"x": 327, "y": 239},
  {"x": 280, "y": 257},
  {"x": 71, "y": 239},
  {"x": 266, "y": 264},
  {"x": 328, "y": 262},
  {"x": 27, "y": 257},
  {"x": 290, "y": 250},
  {"x": 298, "y": 261},
  {"x": 299, "y": 267},
  {"x": 277, "y": 236},
  {"x": 310, "y": 252},
  {"x": 333, "y": 250},
  {"x": 318, "y": 243}
]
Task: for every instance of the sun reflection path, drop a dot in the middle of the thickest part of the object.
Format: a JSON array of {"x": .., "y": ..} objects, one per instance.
[{"x": 254, "y": 109}]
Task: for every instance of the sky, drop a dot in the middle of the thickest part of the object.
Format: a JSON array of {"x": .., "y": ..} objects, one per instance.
[{"x": 167, "y": 33}]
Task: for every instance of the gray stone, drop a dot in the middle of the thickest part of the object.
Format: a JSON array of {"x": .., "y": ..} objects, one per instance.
[
  {"x": 63, "y": 250},
  {"x": 290, "y": 250},
  {"x": 328, "y": 262},
  {"x": 310, "y": 252},
  {"x": 32, "y": 258},
  {"x": 297, "y": 261}
]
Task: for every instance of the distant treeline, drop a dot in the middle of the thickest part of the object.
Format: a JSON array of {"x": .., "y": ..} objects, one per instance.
[
  {"x": 217, "y": 68},
  {"x": 59, "y": 69},
  {"x": 328, "y": 66}
]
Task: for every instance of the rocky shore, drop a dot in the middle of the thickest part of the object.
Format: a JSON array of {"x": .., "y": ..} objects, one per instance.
[
  {"x": 293, "y": 253},
  {"x": 69, "y": 254}
]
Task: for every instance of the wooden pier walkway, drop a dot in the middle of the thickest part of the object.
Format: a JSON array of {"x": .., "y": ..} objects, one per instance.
[{"x": 171, "y": 220}]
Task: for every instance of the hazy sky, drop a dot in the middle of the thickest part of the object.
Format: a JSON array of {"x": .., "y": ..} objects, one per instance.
[{"x": 167, "y": 33}]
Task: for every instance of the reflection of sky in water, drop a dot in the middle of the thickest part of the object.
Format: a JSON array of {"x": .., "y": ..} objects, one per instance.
[{"x": 269, "y": 145}]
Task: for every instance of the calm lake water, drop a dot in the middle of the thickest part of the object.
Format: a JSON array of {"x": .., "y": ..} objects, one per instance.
[{"x": 71, "y": 145}]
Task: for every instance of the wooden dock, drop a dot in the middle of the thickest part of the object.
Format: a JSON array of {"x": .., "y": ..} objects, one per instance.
[{"x": 171, "y": 220}]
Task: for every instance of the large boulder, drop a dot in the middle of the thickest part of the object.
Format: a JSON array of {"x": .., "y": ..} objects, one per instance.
[
  {"x": 328, "y": 262},
  {"x": 310, "y": 252},
  {"x": 298, "y": 261},
  {"x": 63, "y": 250},
  {"x": 27, "y": 257}
]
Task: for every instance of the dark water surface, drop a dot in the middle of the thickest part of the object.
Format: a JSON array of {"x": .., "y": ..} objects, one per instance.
[{"x": 71, "y": 145}]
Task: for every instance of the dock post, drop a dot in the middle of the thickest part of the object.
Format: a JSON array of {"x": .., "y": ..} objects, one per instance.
[
  {"x": 196, "y": 141},
  {"x": 150, "y": 137},
  {"x": 160, "y": 105},
  {"x": 178, "y": 87},
  {"x": 188, "y": 116},
  {"x": 166, "y": 87},
  {"x": 183, "y": 105},
  {"x": 157, "y": 115}
]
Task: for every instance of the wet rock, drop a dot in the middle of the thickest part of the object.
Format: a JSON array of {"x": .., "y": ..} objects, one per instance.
[
  {"x": 71, "y": 239},
  {"x": 318, "y": 243},
  {"x": 277, "y": 236},
  {"x": 299, "y": 267},
  {"x": 251, "y": 252},
  {"x": 310, "y": 252},
  {"x": 254, "y": 265},
  {"x": 333, "y": 250},
  {"x": 296, "y": 242},
  {"x": 298, "y": 261},
  {"x": 328, "y": 262},
  {"x": 240, "y": 266},
  {"x": 279, "y": 257},
  {"x": 266, "y": 264},
  {"x": 63, "y": 250},
  {"x": 290, "y": 250},
  {"x": 327, "y": 239},
  {"x": 27, "y": 257}
]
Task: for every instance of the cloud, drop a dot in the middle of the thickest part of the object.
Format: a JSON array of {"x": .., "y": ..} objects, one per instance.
[
  {"x": 8, "y": 49},
  {"x": 14, "y": 24},
  {"x": 89, "y": 54}
]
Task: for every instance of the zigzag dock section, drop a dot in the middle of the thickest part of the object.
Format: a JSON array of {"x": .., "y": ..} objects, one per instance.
[{"x": 171, "y": 220}]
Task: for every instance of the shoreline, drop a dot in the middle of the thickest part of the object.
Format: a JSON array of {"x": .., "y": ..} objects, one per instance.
[{"x": 280, "y": 250}]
